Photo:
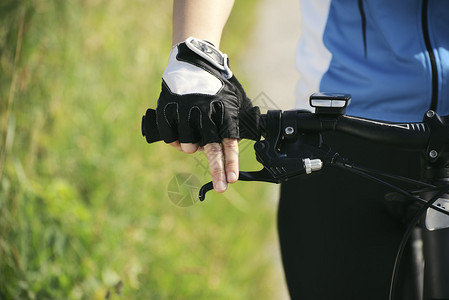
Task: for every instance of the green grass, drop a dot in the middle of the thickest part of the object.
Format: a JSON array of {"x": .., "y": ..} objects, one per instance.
[{"x": 84, "y": 208}]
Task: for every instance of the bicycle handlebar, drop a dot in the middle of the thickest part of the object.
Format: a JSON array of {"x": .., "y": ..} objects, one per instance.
[
  {"x": 429, "y": 136},
  {"x": 414, "y": 136},
  {"x": 408, "y": 135}
]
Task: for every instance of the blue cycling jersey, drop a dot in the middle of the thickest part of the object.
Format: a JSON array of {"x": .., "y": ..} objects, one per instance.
[{"x": 392, "y": 56}]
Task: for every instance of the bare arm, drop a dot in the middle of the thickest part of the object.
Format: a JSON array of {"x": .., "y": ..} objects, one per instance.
[{"x": 203, "y": 19}]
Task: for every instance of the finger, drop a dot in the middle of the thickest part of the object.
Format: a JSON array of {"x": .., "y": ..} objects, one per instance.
[
  {"x": 167, "y": 120},
  {"x": 176, "y": 145},
  {"x": 214, "y": 156},
  {"x": 209, "y": 133},
  {"x": 189, "y": 147},
  {"x": 231, "y": 158},
  {"x": 188, "y": 130}
]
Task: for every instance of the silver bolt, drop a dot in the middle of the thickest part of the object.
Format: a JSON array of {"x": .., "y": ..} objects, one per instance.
[
  {"x": 289, "y": 130},
  {"x": 311, "y": 165},
  {"x": 430, "y": 113},
  {"x": 433, "y": 154}
]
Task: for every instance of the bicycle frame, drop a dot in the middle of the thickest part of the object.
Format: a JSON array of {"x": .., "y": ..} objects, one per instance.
[{"x": 435, "y": 236}]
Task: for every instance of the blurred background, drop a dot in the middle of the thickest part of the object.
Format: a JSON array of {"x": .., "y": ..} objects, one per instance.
[{"x": 89, "y": 210}]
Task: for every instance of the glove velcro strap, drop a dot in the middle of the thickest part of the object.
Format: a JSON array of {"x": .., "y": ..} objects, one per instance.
[{"x": 211, "y": 54}]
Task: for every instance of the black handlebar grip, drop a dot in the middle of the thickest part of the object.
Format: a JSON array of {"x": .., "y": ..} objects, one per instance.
[{"x": 149, "y": 127}]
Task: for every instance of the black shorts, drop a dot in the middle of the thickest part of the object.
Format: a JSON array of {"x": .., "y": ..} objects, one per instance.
[{"x": 338, "y": 238}]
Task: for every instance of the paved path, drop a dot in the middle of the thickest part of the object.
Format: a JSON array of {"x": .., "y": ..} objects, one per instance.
[
  {"x": 271, "y": 67},
  {"x": 270, "y": 59}
]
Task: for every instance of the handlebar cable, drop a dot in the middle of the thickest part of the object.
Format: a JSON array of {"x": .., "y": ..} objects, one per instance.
[
  {"x": 426, "y": 185},
  {"x": 348, "y": 167}
]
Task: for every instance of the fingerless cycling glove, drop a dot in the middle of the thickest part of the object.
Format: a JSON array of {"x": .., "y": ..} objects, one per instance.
[{"x": 201, "y": 100}]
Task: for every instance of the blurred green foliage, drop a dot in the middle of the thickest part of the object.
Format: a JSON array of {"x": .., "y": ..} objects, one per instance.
[{"x": 84, "y": 211}]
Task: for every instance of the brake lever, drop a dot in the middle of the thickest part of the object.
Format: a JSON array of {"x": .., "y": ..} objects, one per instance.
[
  {"x": 277, "y": 166},
  {"x": 262, "y": 175}
]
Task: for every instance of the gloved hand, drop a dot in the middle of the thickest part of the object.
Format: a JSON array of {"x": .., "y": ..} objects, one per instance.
[
  {"x": 202, "y": 104},
  {"x": 201, "y": 100}
]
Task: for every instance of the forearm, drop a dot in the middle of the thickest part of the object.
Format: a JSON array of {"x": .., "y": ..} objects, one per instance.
[{"x": 203, "y": 19}]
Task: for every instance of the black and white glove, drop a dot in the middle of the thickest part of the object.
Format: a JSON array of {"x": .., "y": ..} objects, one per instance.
[{"x": 201, "y": 100}]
